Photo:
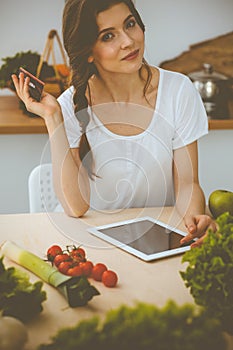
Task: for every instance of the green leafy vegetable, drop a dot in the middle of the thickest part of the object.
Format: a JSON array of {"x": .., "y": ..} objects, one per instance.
[
  {"x": 143, "y": 327},
  {"x": 209, "y": 274},
  {"x": 26, "y": 59},
  {"x": 18, "y": 297}
]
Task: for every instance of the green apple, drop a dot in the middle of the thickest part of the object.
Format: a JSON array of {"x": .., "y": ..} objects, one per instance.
[{"x": 220, "y": 201}]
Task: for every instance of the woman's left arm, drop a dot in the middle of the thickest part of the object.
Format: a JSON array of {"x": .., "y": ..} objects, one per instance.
[{"x": 190, "y": 199}]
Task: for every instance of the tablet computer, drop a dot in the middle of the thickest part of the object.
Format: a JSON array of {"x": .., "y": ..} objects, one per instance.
[{"x": 145, "y": 237}]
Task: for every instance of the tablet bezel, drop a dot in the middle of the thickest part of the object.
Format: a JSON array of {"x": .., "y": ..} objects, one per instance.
[{"x": 146, "y": 257}]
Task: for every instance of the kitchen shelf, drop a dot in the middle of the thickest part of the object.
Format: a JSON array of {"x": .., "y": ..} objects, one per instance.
[
  {"x": 14, "y": 121},
  {"x": 220, "y": 124}
]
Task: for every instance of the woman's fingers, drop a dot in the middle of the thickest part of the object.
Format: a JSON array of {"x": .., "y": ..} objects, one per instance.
[
  {"x": 46, "y": 107},
  {"x": 16, "y": 82},
  {"x": 197, "y": 228},
  {"x": 198, "y": 242},
  {"x": 22, "y": 86}
]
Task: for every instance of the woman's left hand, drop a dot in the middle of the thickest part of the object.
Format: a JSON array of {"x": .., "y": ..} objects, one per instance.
[{"x": 197, "y": 227}]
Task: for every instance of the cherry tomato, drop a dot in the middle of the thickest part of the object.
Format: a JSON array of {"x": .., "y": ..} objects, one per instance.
[
  {"x": 53, "y": 251},
  {"x": 64, "y": 266},
  {"x": 98, "y": 271},
  {"x": 109, "y": 278},
  {"x": 60, "y": 258},
  {"x": 78, "y": 254},
  {"x": 87, "y": 267},
  {"x": 75, "y": 271}
]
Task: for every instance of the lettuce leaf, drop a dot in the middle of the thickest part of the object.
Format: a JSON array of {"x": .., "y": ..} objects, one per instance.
[
  {"x": 143, "y": 327},
  {"x": 209, "y": 273},
  {"x": 19, "y": 297}
]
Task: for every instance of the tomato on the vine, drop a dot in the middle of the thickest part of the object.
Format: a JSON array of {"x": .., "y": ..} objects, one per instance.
[
  {"x": 72, "y": 261},
  {"x": 64, "y": 266},
  {"x": 87, "y": 267},
  {"x": 75, "y": 271},
  {"x": 78, "y": 254},
  {"x": 98, "y": 271},
  {"x": 53, "y": 251},
  {"x": 60, "y": 258},
  {"x": 109, "y": 278}
]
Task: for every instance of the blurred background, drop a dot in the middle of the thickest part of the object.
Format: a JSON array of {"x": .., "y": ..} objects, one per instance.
[{"x": 171, "y": 26}]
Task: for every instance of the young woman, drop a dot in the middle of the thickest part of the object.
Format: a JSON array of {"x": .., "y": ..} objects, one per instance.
[{"x": 125, "y": 133}]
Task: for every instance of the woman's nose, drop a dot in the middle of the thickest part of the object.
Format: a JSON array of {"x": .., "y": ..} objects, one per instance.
[{"x": 126, "y": 40}]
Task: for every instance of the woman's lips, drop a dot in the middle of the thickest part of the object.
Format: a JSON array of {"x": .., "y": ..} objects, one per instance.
[{"x": 131, "y": 56}]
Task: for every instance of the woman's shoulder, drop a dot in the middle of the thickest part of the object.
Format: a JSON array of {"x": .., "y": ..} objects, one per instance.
[
  {"x": 174, "y": 81},
  {"x": 172, "y": 75},
  {"x": 66, "y": 95}
]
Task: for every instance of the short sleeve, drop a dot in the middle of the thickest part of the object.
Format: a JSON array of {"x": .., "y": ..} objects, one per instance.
[
  {"x": 71, "y": 123},
  {"x": 191, "y": 121}
]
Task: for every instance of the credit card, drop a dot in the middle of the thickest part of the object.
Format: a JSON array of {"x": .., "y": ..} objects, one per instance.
[{"x": 35, "y": 85}]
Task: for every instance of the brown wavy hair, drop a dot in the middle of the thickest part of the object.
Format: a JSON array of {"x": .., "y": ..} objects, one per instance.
[{"x": 80, "y": 32}]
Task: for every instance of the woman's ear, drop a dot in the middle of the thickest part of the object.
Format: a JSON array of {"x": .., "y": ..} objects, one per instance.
[{"x": 90, "y": 59}]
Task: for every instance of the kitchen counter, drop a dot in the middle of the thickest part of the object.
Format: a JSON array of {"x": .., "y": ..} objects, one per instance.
[{"x": 14, "y": 121}]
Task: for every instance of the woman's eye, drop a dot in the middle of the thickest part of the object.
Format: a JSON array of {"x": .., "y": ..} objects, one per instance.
[
  {"x": 131, "y": 23},
  {"x": 107, "y": 37}
]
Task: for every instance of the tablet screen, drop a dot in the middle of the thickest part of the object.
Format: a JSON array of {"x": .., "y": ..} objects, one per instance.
[{"x": 146, "y": 238}]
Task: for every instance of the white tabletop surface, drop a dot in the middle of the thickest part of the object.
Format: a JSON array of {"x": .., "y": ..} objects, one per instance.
[{"x": 154, "y": 282}]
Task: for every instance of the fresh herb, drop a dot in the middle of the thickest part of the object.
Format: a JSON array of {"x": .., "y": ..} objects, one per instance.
[
  {"x": 209, "y": 274},
  {"x": 143, "y": 327},
  {"x": 19, "y": 298}
]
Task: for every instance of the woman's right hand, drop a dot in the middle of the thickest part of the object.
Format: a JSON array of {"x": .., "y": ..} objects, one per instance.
[{"x": 48, "y": 104}]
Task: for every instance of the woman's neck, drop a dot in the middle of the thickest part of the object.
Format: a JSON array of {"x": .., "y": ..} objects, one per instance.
[
  {"x": 128, "y": 88},
  {"x": 121, "y": 88},
  {"x": 124, "y": 88}
]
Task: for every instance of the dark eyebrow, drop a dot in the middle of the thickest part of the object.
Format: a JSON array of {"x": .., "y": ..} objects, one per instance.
[{"x": 112, "y": 28}]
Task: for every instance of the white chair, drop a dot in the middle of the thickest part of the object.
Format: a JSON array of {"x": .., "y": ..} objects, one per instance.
[{"x": 42, "y": 197}]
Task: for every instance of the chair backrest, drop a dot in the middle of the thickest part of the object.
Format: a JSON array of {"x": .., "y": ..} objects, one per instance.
[{"x": 42, "y": 197}]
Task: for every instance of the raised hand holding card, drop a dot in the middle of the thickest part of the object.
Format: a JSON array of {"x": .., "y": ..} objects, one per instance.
[{"x": 35, "y": 85}]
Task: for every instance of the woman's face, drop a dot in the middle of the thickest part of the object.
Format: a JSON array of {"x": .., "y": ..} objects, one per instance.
[{"x": 119, "y": 47}]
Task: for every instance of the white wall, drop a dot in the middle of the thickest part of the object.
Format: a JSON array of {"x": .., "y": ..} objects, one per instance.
[
  {"x": 19, "y": 154},
  {"x": 171, "y": 26},
  {"x": 25, "y": 24},
  {"x": 216, "y": 161}
]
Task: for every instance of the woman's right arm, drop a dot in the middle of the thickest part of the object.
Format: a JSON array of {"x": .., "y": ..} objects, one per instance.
[{"x": 71, "y": 182}]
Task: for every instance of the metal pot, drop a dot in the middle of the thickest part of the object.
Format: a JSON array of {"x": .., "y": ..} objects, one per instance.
[{"x": 214, "y": 89}]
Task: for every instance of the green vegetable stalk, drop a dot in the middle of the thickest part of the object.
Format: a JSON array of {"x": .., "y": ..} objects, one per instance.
[
  {"x": 209, "y": 274},
  {"x": 77, "y": 290}
]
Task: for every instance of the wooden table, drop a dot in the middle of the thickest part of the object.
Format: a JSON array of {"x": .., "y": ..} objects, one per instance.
[{"x": 153, "y": 282}]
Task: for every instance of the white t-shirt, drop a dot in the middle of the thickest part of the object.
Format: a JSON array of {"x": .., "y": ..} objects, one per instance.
[{"x": 136, "y": 171}]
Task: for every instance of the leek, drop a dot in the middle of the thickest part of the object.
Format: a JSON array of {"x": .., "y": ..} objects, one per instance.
[{"x": 77, "y": 290}]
